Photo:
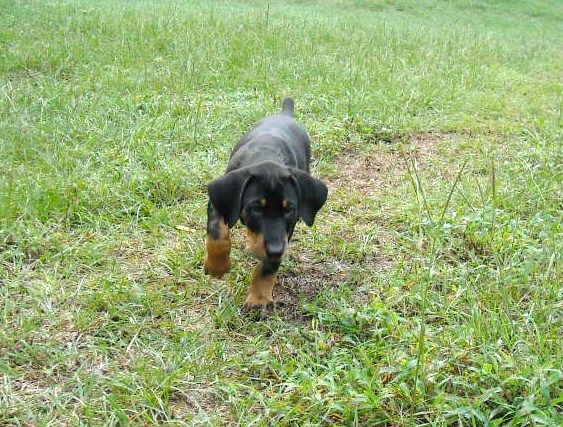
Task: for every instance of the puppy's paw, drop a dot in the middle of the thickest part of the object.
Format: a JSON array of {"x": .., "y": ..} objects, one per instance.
[
  {"x": 216, "y": 267},
  {"x": 259, "y": 311},
  {"x": 257, "y": 303}
]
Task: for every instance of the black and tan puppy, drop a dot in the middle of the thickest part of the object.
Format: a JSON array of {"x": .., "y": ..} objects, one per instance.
[{"x": 268, "y": 187}]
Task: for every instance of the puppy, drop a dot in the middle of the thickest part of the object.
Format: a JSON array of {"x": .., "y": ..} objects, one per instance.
[{"x": 267, "y": 186}]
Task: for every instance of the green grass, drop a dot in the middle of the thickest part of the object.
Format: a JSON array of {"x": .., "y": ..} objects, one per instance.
[{"x": 429, "y": 290}]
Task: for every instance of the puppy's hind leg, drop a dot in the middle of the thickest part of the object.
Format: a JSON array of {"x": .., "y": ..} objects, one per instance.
[{"x": 218, "y": 244}]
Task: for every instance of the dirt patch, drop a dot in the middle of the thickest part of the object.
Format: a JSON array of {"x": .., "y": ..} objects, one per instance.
[
  {"x": 303, "y": 285},
  {"x": 32, "y": 385},
  {"x": 357, "y": 173},
  {"x": 423, "y": 145},
  {"x": 374, "y": 170}
]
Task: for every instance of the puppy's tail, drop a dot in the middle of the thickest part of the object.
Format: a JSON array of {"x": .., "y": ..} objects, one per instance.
[{"x": 288, "y": 106}]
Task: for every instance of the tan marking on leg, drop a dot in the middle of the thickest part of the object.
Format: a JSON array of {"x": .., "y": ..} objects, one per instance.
[
  {"x": 255, "y": 244},
  {"x": 261, "y": 290},
  {"x": 218, "y": 260}
]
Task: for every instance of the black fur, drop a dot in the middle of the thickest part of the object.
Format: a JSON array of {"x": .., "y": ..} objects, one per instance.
[{"x": 270, "y": 163}]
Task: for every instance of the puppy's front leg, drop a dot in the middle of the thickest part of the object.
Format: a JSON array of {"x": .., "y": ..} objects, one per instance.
[
  {"x": 217, "y": 261},
  {"x": 261, "y": 290}
]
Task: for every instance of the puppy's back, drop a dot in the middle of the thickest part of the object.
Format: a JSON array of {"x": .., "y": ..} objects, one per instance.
[{"x": 278, "y": 138}]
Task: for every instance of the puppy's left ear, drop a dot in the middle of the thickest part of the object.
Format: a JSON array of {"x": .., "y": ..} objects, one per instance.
[{"x": 312, "y": 195}]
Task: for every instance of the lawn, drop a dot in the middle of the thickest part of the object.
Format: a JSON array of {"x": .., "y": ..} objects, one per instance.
[{"x": 428, "y": 292}]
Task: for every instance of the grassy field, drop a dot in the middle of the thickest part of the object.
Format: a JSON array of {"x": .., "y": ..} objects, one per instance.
[{"x": 428, "y": 291}]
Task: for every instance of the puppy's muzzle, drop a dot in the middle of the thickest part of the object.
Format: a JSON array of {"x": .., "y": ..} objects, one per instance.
[{"x": 274, "y": 250}]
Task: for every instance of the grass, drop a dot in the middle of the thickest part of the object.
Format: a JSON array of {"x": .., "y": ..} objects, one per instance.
[{"x": 429, "y": 290}]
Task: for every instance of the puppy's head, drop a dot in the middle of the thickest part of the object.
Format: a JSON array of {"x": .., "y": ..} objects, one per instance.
[{"x": 269, "y": 199}]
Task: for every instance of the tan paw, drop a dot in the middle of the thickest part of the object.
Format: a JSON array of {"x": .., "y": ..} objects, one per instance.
[
  {"x": 217, "y": 267},
  {"x": 256, "y": 302}
]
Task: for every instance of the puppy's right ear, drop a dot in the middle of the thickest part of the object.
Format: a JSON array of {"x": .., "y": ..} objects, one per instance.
[
  {"x": 312, "y": 195},
  {"x": 225, "y": 194}
]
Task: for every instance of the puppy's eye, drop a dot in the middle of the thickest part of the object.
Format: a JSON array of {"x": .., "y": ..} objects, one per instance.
[{"x": 289, "y": 209}]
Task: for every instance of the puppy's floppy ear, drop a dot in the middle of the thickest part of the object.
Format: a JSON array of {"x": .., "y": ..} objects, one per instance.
[
  {"x": 225, "y": 194},
  {"x": 312, "y": 195}
]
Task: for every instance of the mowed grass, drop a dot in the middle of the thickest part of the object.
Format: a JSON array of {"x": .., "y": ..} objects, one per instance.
[{"x": 428, "y": 291}]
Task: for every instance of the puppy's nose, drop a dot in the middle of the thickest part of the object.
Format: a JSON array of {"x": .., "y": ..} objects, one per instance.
[{"x": 274, "y": 250}]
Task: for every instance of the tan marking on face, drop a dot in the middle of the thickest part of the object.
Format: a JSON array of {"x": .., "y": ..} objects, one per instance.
[
  {"x": 218, "y": 262},
  {"x": 263, "y": 202},
  {"x": 255, "y": 244},
  {"x": 284, "y": 204}
]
